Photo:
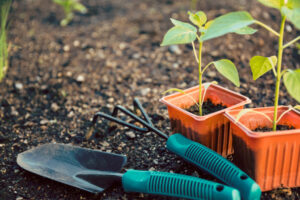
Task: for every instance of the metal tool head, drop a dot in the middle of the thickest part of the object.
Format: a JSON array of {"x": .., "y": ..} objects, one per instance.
[{"x": 63, "y": 163}]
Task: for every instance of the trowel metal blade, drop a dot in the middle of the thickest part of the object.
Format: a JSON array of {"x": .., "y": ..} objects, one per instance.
[{"x": 61, "y": 162}]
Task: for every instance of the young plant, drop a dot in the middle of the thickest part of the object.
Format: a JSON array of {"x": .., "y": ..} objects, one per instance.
[
  {"x": 69, "y": 7},
  {"x": 185, "y": 33},
  {"x": 290, "y": 10},
  {"x": 4, "y": 11}
]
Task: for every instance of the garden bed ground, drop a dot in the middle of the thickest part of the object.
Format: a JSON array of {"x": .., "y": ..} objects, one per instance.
[{"x": 59, "y": 77}]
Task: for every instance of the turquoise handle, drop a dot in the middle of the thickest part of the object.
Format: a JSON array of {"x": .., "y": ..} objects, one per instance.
[
  {"x": 213, "y": 163},
  {"x": 176, "y": 185}
]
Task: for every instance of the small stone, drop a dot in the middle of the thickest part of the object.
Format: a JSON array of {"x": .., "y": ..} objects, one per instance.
[
  {"x": 19, "y": 198},
  {"x": 152, "y": 169},
  {"x": 14, "y": 112},
  {"x": 122, "y": 45},
  {"x": 44, "y": 87},
  {"x": 76, "y": 43},
  {"x": 105, "y": 144},
  {"x": 175, "y": 49},
  {"x": 211, "y": 74},
  {"x": 16, "y": 171},
  {"x": 175, "y": 65},
  {"x": 145, "y": 91},
  {"x": 69, "y": 74},
  {"x": 130, "y": 134},
  {"x": 44, "y": 128},
  {"x": 44, "y": 121},
  {"x": 54, "y": 107},
  {"x": 19, "y": 86},
  {"x": 110, "y": 100},
  {"x": 155, "y": 161},
  {"x": 136, "y": 56},
  {"x": 80, "y": 78},
  {"x": 71, "y": 114},
  {"x": 289, "y": 28},
  {"x": 66, "y": 48}
]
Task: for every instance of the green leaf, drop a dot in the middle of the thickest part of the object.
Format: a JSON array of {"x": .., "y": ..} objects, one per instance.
[
  {"x": 293, "y": 4},
  {"x": 79, "y": 7},
  {"x": 293, "y": 15},
  {"x": 272, "y": 3},
  {"x": 245, "y": 31},
  {"x": 184, "y": 25},
  {"x": 179, "y": 35},
  {"x": 227, "y": 23},
  {"x": 261, "y": 65},
  {"x": 199, "y": 18},
  {"x": 228, "y": 70},
  {"x": 291, "y": 80}
]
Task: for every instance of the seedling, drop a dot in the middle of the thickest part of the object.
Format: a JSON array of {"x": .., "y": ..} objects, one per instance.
[
  {"x": 69, "y": 7},
  {"x": 290, "y": 10},
  {"x": 4, "y": 10},
  {"x": 185, "y": 33}
]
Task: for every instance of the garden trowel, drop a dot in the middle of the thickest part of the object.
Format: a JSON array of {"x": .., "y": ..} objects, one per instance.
[{"x": 94, "y": 171}]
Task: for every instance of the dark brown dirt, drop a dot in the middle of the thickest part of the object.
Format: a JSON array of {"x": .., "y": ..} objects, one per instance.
[
  {"x": 59, "y": 77},
  {"x": 278, "y": 128},
  {"x": 207, "y": 108}
]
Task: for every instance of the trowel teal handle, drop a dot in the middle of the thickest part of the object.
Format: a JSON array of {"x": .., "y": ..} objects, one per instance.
[
  {"x": 176, "y": 185},
  {"x": 215, "y": 164}
]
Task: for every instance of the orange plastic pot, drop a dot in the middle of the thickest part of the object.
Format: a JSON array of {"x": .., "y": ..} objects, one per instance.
[
  {"x": 211, "y": 130},
  {"x": 272, "y": 159}
]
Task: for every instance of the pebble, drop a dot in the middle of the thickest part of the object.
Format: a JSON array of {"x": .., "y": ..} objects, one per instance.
[
  {"x": 289, "y": 28},
  {"x": 110, "y": 100},
  {"x": 80, "y": 78},
  {"x": 136, "y": 56},
  {"x": 76, "y": 43},
  {"x": 130, "y": 134},
  {"x": 19, "y": 198},
  {"x": 14, "y": 112},
  {"x": 54, "y": 107},
  {"x": 44, "y": 121},
  {"x": 152, "y": 169},
  {"x": 211, "y": 73},
  {"x": 145, "y": 91},
  {"x": 66, "y": 48},
  {"x": 175, "y": 65},
  {"x": 19, "y": 86},
  {"x": 71, "y": 114},
  {"x": 105, "y": 144},
  {"x": 175, "y": 49},
  {"x": 155, "y": 161}
]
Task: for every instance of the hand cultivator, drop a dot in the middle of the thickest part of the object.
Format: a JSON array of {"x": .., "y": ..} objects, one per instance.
[{"x": 191, "y": 151}]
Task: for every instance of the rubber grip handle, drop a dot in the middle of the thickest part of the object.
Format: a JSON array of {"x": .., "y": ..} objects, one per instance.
[
  {"x": 176, "y": 185},
  {"x": 215, "y": 164}
]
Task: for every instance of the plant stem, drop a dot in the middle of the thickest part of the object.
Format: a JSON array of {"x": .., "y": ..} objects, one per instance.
[
  {"x": 267, "y": 27},
  {"x": 195, "y": 53},
  {"x": 291, "y": 42},
  {"x": 280, "y": 50},
  {"x": 200, "y": 78}
]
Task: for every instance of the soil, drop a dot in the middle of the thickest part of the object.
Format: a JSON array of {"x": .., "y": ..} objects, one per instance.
[
  {"x": 207, "y": 108},
  {"x": 60, "y": 76},
  {"x": 278, "y": 128}
]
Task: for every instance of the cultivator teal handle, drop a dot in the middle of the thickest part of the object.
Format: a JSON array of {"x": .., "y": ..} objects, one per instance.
[
  {"x": 176, "y": 185},
  {"x": 214, "y": 164}
]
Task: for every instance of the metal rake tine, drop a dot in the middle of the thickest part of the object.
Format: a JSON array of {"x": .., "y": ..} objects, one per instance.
[
  {"x": 112, "y": 119},
  {"x": 137, "y": 105}
]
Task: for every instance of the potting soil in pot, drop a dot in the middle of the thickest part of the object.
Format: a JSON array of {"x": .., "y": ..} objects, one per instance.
[{"x": 207, "y": 108}]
